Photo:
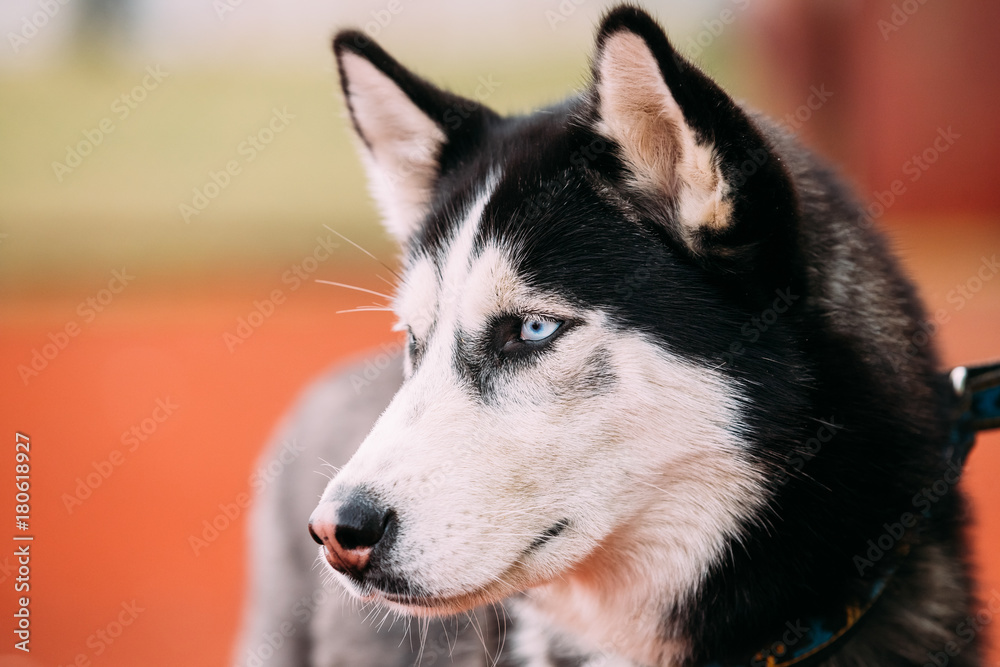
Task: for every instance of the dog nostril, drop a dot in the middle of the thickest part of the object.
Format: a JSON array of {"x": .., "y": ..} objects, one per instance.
[
  {"x": 316, "y": 538},
  {"x": 361, "y": 523}
]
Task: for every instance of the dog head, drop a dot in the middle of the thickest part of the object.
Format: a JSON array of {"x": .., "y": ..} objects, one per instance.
[{"x": 573, "y": 283}]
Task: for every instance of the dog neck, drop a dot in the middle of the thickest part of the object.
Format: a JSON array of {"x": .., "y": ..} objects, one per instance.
[
  {"x": 588, "y": 621},
  {"x": 626, "y": 630},
  {"x": 598, "y": 610}
]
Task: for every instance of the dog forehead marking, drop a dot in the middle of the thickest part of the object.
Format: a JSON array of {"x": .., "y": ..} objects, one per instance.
[
  {"x": 491, "y": 283},
  {"x": 416, "y": 298},
  {"x": 431, "y": 290},
  {"x": 494, "y": 286},
  {"x": 457, "y": 258}
]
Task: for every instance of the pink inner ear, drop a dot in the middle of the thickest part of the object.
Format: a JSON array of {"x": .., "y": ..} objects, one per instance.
[
  {"x": 639, "y": 113},
  {"x": 403, "y": 145}
]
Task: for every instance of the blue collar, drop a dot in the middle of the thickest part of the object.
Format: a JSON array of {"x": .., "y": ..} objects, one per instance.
[
  {"x": 803, "y": 642},
  {"x": 975, "y": 407}
]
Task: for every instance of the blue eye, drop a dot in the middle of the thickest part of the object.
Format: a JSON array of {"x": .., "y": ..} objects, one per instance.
[{"x": 536, "y": 329}]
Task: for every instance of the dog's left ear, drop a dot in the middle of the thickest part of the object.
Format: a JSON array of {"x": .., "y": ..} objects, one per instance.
[
  {"x": 412, "y": 131},
  {"x": 698, "y": 160}
]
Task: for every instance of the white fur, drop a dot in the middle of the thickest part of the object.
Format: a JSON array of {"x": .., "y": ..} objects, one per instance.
[
  {"x": 649, "y": 472},
  {"x": 416, "y": 298}
]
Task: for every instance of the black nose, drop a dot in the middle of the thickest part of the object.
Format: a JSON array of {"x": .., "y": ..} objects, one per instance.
[
  {"x": 361, "y": 523},
  {"x": 349, "y": 530}
]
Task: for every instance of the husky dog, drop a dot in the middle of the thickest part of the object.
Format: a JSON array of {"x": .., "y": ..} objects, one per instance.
[{"x": 665, "y": 399}]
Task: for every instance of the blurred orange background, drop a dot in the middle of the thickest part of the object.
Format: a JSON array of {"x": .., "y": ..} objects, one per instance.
[{"x": 153, "y": 370}]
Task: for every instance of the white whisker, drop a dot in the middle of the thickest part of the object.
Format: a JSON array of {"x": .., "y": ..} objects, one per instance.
[
  {"x": 386, "y": 281},
  {"x": 363, "y": 250},
  {"x": 354, "y": 287},
  {"x": 365, "y": 309}
]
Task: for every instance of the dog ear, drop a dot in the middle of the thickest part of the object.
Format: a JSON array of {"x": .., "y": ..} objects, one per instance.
[
  {"x": 688, "y": 149},
  {"x": 411, "y": 130}
]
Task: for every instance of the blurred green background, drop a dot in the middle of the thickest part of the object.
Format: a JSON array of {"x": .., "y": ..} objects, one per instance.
[
  {"x": 229, "y": 63},
  {"x": 224, "y": 69},
  {"x": 222, "y": 73}
]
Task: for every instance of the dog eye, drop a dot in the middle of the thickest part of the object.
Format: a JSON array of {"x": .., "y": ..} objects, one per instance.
[{"x": 536, "y": 329}]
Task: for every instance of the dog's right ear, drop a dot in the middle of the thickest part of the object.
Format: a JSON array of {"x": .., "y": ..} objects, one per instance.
[
  {"x": 412, "y": 131},
  {"x": 692, "y": 153}
]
